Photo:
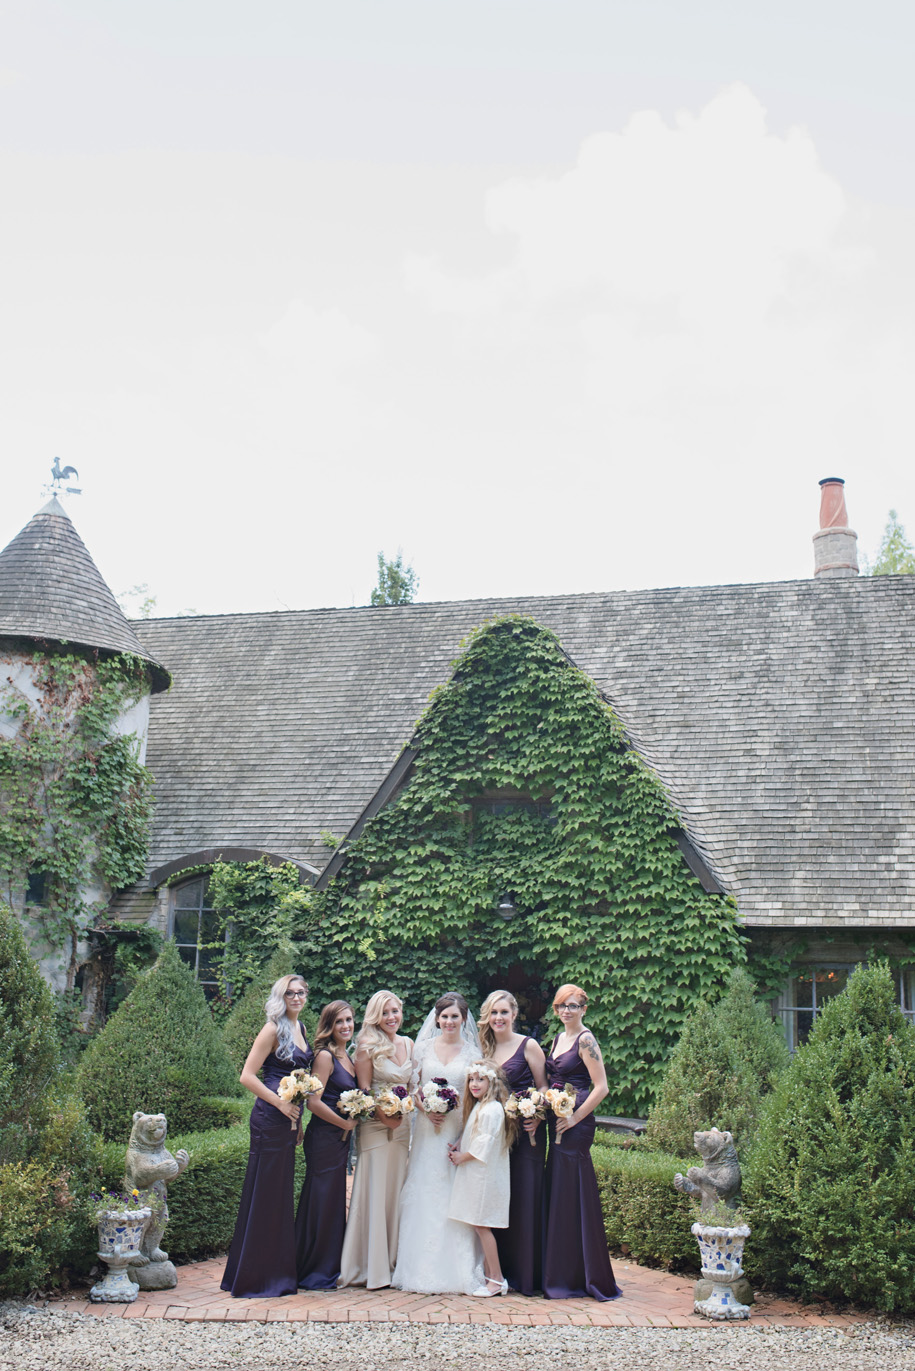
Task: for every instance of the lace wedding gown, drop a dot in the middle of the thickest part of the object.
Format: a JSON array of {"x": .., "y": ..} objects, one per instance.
[{"x": 435, "y": 1254}]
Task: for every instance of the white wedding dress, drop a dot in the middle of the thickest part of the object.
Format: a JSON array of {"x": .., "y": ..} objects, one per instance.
[{"x": 435, "y": 1254}]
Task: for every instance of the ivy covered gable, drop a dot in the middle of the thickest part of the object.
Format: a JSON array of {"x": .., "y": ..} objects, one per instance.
[{"x": 529, "y": 842}]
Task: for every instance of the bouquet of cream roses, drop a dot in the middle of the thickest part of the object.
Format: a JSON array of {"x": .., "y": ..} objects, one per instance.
[
  {"x": 527, "y": 1104},
  {"x": 394, "y": 1100},
  {"x": 561, "y": 1099},
  {"x": 299, "y": 1084},
  {"x": 356, "y": 1104}
]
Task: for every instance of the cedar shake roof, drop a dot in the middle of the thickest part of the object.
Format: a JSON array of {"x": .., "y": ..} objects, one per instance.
[
  {"x": 51, "y": 590},
  {"x": 780, "y": 717}
]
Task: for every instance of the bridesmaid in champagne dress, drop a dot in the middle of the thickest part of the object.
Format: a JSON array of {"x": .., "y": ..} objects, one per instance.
[
  {"x": 576, "y": 1262},
  {"x": 261, "y": 1260},
  {"x": 522, "y": 1061},
  {"x": 321, "y": 1216},
  {"x": 383, "y": 1058}
]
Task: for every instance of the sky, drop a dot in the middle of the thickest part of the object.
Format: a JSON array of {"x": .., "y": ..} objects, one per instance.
[{"x": 550, "y": 295}]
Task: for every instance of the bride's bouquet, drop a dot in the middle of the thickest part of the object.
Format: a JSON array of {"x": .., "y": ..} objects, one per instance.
[
  {"x": 527, "y": 1104},
  {"x": 299, "y": 1084},
  {"x": 437, "y": 1096},
  {"x": 394, "y": 1100},
  {"x": 561, "y": 1099},
  {"x": 356, "y": 1104}
]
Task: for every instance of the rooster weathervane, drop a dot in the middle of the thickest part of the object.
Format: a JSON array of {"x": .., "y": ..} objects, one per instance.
[{"x": 60, "y": 474}]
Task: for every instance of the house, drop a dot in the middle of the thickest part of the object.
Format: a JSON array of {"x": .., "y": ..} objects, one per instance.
[{"x": 780, "y": 718}]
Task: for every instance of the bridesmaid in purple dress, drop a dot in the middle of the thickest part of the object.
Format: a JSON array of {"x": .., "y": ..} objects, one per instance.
[
  {"x": 321, "y": 1217},
  {"x": 262, "y": 1256},
  {"x": 522, "y": 1061},
  {"x": 575, "y": 1257}
]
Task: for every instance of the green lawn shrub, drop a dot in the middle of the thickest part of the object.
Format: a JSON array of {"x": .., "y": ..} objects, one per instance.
[
  {"x": 726, "y": 1061},
  {"x": 830, "y": 1181},
  {"x": 47, "y": 1154},
  {"x": 643, "y": 1214},
  {"x": 159, "y": 1052},
  {"x": 247, "y": 1015}
]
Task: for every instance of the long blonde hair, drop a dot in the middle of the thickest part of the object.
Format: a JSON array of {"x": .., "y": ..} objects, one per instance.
[
  {"x": 493, "y": 1074},
  {"x": 372, "y": 1039},
  {"x": 487, "y": 1037},
  {"x": 275, "y": 1010}
]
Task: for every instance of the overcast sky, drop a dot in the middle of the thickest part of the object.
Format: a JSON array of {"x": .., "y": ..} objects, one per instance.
[{"x": 565, "y": 296}]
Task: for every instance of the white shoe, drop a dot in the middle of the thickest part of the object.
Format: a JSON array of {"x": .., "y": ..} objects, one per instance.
[{"x": 484, "y": 1292}]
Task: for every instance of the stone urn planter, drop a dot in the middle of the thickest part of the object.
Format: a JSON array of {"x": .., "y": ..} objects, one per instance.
[
  {"x": 721, "y": 1250},
  {"x": 120, "y": 1233}
]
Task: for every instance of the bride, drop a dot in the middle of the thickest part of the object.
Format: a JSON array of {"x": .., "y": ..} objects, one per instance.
[{"x": 435, "y": 1254}]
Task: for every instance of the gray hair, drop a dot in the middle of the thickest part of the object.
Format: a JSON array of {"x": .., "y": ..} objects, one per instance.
[{"x": 275, "y": 1009}]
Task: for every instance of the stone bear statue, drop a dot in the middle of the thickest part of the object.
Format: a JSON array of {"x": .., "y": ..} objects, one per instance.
[
  {"x": 718, "y": 1180},
  {"x": 150, "y": 1166}
]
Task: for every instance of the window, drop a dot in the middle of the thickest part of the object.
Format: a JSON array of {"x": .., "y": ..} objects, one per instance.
[
  {"x": 36, "y": 889},
  {"x": 193, "y": 929},
  {"x": 811, "y": 987}
]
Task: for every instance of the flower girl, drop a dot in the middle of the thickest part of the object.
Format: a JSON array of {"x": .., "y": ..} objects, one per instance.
[{"x": 481, "y": 1190}]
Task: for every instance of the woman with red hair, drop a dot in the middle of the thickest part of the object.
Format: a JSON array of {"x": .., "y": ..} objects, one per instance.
[{"x": 575, "y": 1258}]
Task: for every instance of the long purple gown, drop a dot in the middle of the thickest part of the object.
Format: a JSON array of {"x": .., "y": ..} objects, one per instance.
[
  {"x": 576, "y": 1262},
  {"x": 320, "y": 1220},
  {"x": 519, "y": 1244},
  {"x": 262, "y": 1256}
]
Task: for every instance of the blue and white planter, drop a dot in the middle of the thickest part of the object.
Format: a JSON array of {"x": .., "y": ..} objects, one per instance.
[
  {"x": 120, "y": 1233},
  {"x": 721, "y": 1250}
]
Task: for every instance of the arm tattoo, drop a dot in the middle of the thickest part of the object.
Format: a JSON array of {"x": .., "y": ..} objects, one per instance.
[{"x": 591, "y": 1047}]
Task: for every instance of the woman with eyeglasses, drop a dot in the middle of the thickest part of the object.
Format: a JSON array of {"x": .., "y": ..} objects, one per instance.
[
  {"x": 576, "y": 1262},
  {"x": 262, "y": 1258}
]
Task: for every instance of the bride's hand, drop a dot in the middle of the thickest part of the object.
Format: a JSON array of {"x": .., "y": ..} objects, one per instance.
[{"x": 437, "y": 1120}]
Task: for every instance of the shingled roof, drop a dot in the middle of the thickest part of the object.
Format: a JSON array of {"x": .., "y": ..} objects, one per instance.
[
  {"x": 780, "y": 717},
  {"x": 51, "y": 590}
]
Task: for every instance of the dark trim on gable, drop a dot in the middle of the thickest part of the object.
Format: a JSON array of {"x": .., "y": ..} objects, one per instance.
[
  {"x": 698, "y": 866},
  {"x": 209, "y": 855},
  {"x": 390, "y": 787}
]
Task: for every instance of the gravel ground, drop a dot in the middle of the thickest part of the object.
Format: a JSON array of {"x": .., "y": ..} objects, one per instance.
[{"x": 45, "y": 1340}]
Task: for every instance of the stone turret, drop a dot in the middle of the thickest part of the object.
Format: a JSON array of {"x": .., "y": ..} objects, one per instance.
[{"x": 835, "y": 545}]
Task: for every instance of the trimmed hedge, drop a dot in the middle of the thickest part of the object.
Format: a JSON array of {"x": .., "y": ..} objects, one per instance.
[{"x": 642, "y": 1211}]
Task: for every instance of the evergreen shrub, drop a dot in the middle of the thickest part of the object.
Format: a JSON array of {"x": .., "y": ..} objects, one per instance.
[
  {"x": 642, "y": 1211},
  {"x": 728, "y": 1058},
  {"x": 830, "y": 1181},
  {"x": 247, "y": 1016},
  {"x": 160, "y": 1052},
  {"x": 46, "y": 1151}
]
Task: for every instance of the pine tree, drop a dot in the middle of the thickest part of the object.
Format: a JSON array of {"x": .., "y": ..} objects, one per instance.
[{"x": 160, "y": 1052}]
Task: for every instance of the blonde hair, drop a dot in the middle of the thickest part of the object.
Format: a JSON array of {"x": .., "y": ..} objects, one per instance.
[
  {"x": 565, "y": 991},
  {"x": 487, "y": 1037},
  {"x": 372, "y": 1039},
  {"x": 275, "y": 1010},
  {"x": 498, "y": 1090}
]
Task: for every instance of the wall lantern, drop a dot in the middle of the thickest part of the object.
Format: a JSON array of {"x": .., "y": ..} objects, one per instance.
[{"x": 505, "y": 908}]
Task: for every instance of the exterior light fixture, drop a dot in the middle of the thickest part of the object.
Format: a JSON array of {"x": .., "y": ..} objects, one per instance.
[{"x": 505, "y": 908}]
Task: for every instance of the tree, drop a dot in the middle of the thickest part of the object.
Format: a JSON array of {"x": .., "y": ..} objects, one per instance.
[
  {"x": 397, "y": 584},
  {"x": 896, "y": 555}
]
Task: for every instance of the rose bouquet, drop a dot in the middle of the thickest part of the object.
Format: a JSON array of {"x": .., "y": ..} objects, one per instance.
[
  {"x": 394, "y": 1100},
  {"x": 561, "y": 1099},
  {"x": 527, "y": 1104},
  {"x": 356, "y": 1104},
  {"x": 437, "y": 1096},
  {"x": 299, "y": 1084}
]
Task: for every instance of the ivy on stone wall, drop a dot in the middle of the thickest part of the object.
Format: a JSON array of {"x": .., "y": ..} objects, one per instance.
[
  {"x": 75, "y": 802},
  {"x": 525, "y": 788},
  {"x": 258, "y": 906}
]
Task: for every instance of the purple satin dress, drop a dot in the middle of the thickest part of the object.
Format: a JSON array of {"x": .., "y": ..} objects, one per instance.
[
  {"x": 320, "y": 1220},
  {"x": 576, "y": 1262},
  {"x": 519, "y": 1244},
  {"x": 261, "y": 1260}
]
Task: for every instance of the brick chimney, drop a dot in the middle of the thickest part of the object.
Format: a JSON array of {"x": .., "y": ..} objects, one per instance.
[{"x": 835, "y": 545}]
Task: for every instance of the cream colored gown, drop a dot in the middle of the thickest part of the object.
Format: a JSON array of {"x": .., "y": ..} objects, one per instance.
[{"x": 370, "y": 1244}]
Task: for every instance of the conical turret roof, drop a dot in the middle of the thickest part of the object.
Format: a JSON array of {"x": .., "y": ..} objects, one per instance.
[{"x": 51, "y": 589}]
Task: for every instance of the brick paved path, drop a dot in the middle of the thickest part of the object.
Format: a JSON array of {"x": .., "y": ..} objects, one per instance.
[{"x": 649, "y": 1299}]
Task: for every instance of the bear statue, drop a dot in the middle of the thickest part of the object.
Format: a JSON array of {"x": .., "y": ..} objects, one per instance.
[{"x": 150, "y": 1167}]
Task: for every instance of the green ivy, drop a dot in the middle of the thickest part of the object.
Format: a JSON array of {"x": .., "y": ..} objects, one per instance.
[
  {"x": 260, "y": 906},
  {"x": 75, "y": 802},
  {"x": 604, "y": 898}
]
